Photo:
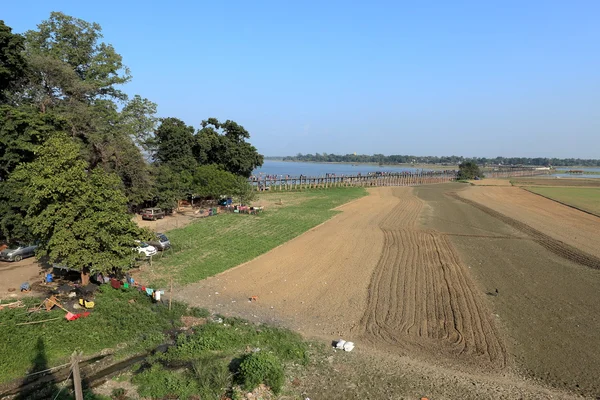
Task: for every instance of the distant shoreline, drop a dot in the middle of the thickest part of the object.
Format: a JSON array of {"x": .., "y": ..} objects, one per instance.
[{"x": 418, "y": 166}]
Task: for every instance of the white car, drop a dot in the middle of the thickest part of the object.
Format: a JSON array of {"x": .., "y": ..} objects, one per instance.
[{"x": 145, "y": 249}]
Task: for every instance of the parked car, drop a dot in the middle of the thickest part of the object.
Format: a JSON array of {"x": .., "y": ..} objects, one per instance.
[
  {"x": 152, "y": 214},
  {"x": 18, "y": 252},
  {"x": 161, "y": 243},
  {"x": 144, "y": 249}
]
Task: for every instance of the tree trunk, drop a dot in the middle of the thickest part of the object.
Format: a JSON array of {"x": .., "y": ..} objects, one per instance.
[{"x": 85, "y": 276}]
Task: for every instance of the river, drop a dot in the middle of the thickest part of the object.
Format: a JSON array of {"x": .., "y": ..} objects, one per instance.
[
  {"x": 314, "y": 169},
  {"x": 293, "y": 168}
]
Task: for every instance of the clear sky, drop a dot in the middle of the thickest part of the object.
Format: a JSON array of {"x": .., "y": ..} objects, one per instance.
[{"x": 472, "y": 78}]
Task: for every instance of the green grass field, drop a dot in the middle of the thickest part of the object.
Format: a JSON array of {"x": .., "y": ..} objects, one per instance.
[
  {"x": 113, "y": 321},
  {"x": 587, "y": 199},
  {"x": 213, "y": 245}
]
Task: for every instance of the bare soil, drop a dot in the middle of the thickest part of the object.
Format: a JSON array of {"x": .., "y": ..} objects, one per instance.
[
  {"x": 491, "y": 182},
  {"x": 413, "y": 273},
  {"x": 555, "y": 181},
  {"x": 547, "y": 304},
  {"x": 549, "y": 218},
  {"x": 177, "y": 220},
  {"x": 13, "y": 274}
]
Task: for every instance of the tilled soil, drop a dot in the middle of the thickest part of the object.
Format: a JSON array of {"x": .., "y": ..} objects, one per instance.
[
  {"x": 547, "y": 302},
  {"x": 405, "y": 271},
  {"x": 541, "y": 218}
]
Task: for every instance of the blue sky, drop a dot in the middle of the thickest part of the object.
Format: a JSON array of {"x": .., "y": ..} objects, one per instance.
[{"x": 472, "y": 78}]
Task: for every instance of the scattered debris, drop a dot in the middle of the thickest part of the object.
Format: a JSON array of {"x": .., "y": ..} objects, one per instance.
[
  {"x": 253, "y": 298},
  {"x": 72, "y": 317},
  {"x": 190, "y": 322},
  {"x": 14, "y": 304},
  {"x": 344, "y": 345},
  {"x": 86, "y": 304}
]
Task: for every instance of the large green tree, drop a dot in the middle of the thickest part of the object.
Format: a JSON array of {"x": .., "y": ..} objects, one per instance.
[
  {"x": 79, "y": 215},
  {"x": 77, "y": 76},
  {"x": 469, "y": 170},
  {"x": 22, "y": 130},
  {"x": 70, "y": 64},
  {"x": 174, "y": 145},
  {"x": 225, "y": 144},
  {"x": 13, "y": 66}
]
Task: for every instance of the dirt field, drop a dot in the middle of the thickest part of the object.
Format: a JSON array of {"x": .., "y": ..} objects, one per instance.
[
  {"x": 491, "y": 182},
  {"x": 575, "y": 233},
  {"x": 554, "y": 181},
  {"x": 406, "y": 271},
  {"x": 402, "y": 289}
]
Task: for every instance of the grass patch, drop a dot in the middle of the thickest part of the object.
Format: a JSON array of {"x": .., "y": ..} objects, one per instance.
[
  {"x": 210, "y": 361},
  {"x": 587, "y": 199},
  {"x": 135, "y": 326},
  {"x": 213, "y": 245}
]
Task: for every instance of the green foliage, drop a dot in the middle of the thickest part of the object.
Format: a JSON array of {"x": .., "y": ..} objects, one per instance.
[
  {"x": 228, "y": 150},
  {"x": 158, "y": 383},
  {"x": 79, "y": 216},
  {"x": 244, "y": 192},
  {"x": 262, "y": 367},
  {"x": 174, "y": 143},
  {"x": 72, "y": 64},
  {"x": 139, "y": 118},
  {"x": 22, "y": 131},
  {"x": 212, "y": 375},
  {"x": 468, "y": 170},
  {"x": 114, "y": 321},
  {"x": 450, "y": 161},
  {"x": 211, "y": 356},
  {"x": 213, "y": 245},
  {"x": 171, "y": 185},
  {"x": 13, "y": 66}
]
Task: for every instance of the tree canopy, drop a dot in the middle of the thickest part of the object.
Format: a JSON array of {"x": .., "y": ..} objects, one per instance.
[
  {"x": 469, "y": 170},
  {"x": 77, "y": 153},
  {"x": 13, "y": 66},
  {"x": 78, "y": 215}
]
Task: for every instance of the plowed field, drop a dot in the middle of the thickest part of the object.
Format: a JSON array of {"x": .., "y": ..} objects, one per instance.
[
  {"x": 372, "y": 274},
  {"x": 542, "y": 218},
  {"x": 406, "y": 271}
]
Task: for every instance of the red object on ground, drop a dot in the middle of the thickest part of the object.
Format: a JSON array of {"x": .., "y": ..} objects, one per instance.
[
  {"x": 115, "y": 283},
  {"x": 72, "y": 317}
]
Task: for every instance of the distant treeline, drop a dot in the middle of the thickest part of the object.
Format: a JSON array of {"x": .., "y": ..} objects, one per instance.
[{"x": 447, "y": 160}]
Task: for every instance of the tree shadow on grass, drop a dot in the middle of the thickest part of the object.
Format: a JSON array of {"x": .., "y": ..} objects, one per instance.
[{"x": 31, "y": 387}]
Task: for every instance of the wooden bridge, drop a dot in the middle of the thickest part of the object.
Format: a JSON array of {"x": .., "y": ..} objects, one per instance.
[{"x": 283, "y": 182}]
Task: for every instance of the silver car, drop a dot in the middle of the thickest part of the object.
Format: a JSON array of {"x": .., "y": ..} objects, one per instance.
[
  {"x": 18, "y": 252},
  {"x": 161, "y": 242}
]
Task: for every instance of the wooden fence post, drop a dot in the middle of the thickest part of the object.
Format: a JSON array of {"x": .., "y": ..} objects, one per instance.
[{"x": 75, "y": 357}]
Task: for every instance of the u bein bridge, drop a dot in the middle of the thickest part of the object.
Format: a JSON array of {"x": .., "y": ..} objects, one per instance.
[{"x": 280, "y": 182}]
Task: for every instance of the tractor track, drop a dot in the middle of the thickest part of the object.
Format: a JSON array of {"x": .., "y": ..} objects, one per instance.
[
  {"x": 421, "y": 299},
  {"x": 555, "y": 246}
]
